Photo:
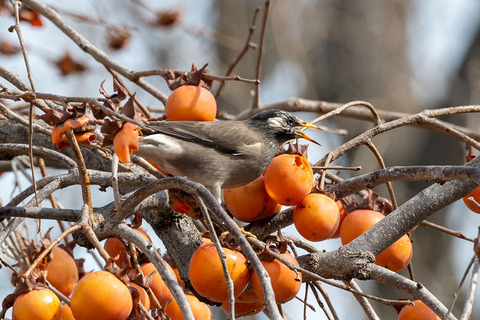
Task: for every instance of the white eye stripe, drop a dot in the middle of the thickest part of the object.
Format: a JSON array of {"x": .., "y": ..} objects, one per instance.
[{"x": 276, "y": 122}]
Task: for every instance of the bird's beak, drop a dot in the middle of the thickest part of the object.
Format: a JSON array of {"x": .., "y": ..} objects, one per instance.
[{"x": 301, "y": 134}]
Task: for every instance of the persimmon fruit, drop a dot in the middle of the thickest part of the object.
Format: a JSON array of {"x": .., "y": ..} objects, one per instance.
[
  {"x": 191, "y": 103},
  {"x": 247, "y": 304},
  {"x": 288, "y": 179},
  {"x": 475, "y": 204},
  {"x": 250, "y": 202},
  {"x": 316, "y": 217},
  {"x": 395, "y": 257},
  {"x": 67, "y": 312},
  {"x": 343, "y": 214},
  {"x": 144, "y": 299},
  {"x": 199, "y": 309},
  {"x": 285, "y": 282},
  {"x": 62, "y": 271},
  {"x": 158, "y": 286},
  {"x": 418, "y": 311},
  {"x": 39, "y": 304},
  {"x": 206, "y": 272},
  {"x": 115, "y": 247},
  {"x": 100, "y": 295}
]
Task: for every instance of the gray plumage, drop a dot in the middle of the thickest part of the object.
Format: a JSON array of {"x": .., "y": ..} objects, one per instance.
[{"x": 220, "y": 154}]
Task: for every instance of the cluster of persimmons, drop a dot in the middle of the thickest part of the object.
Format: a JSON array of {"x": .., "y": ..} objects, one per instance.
[{"x": 317, "y": 217}]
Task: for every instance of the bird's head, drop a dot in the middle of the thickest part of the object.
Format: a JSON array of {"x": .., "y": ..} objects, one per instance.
[{"x": 283, "y": 125}]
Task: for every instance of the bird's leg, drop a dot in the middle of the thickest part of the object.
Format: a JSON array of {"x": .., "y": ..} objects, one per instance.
[{"x": 217, "y": 191}]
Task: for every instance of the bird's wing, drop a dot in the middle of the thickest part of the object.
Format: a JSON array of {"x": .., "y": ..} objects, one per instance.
[{"x": 229, "y": 137}]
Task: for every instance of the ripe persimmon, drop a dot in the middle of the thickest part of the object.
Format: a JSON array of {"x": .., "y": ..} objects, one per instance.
[
  {"x": 475, "y": 204},
  {"x": 247, "y": 304},
  {"x": 100, "y": 295},
  {"x": 206, "y": 272},
  {"x": 250, "y": 202},
  {"x": 114, "y": 247},
  {"x": 288, "y": 179},
  {"x": 244, "y": 309},
  {"x": 39, "y": 303},
  {"x": 316, "y": 217},
  {"x": 343, "y": 214},
  {"x": 144, "y": 299},
  {"x": 285, "y": 282},
  {"x": 199, "y": 309},
  {"x": 191, "y": 103},
  {"x": 62, "y": 271},
  {"x": 396, "y": 257},
  {"x": 126, "y": 141},
  {"x": 67, "y": 312},
  {"x": 418, "y": 311},
  {"x": 158, "y": 286}
]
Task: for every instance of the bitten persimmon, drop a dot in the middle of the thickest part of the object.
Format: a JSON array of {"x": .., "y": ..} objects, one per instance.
[
  {"x": 250, "y": 202},
  {"x": 288, "y": 179},
  {"x": 475, "y": 204},
  {"x": 62, "y": 271},
  {"x": 285, "y": 282},
  {"x": 100, "y": 295},
  {"x": 191, "y": 103},
  {"x": 206, "y": 272},
  {"x": 418, "y": 311},
  {"x": 199, "y": 309},
  {"x": 126, "y": 141},
  {"x": 396, "y": 257},
  {"x": 40, "y": 303},
  {"x": 114, "y": 247},
  {"x": 158, "y": 286},
  {"x": 316, "y": 217}
]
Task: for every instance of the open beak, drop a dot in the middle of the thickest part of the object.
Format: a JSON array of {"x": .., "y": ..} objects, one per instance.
[{"x": 301, "y": 134}]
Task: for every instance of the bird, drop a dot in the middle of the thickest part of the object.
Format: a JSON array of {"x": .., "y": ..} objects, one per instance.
[{"x": 221, "y": 154}]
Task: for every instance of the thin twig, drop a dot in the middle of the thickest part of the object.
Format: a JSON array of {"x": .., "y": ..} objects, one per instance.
[{"x": 256, "y": 94}]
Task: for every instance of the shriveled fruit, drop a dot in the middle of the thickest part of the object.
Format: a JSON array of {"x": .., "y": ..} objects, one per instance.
[
  {"x": 418, "y": 311},
  {"x": 199, "y": 309},
  {"x": 206, "y": 272},
  {"x": 472, "y": 200},
  {"x": 39, "y": 304},
  {"x": 285, "y": 282},
  {"x": 316, "y": 217},
  {"x": 126, "y": 141},
  {"x": 250, "y": 202},
  {"x": 114, "y": 248},
  {"x": 191, "y": 103},
  {"x": 288, "y": 179},
  {"x": 158, "y": 286},
  {"x": 67, "y": 312},
  {"x": 62, "y": 271},
  {"x": 101, "y": 296},
  {"x": 343, "y": 214},
  {"x": 396, "y": 257}
]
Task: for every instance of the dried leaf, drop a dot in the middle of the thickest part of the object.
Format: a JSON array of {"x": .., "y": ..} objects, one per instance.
[
  {"x": 67, "y": 65},
  {"x": 117, "y": 38},
  {"x": 167, "y": 18},
  {"x": 8, "y": 49},
  {"x": 176, "y": 79}
]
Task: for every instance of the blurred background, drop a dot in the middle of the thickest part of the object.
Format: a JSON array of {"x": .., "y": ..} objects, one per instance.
[{"x": 398, "y": 55}]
